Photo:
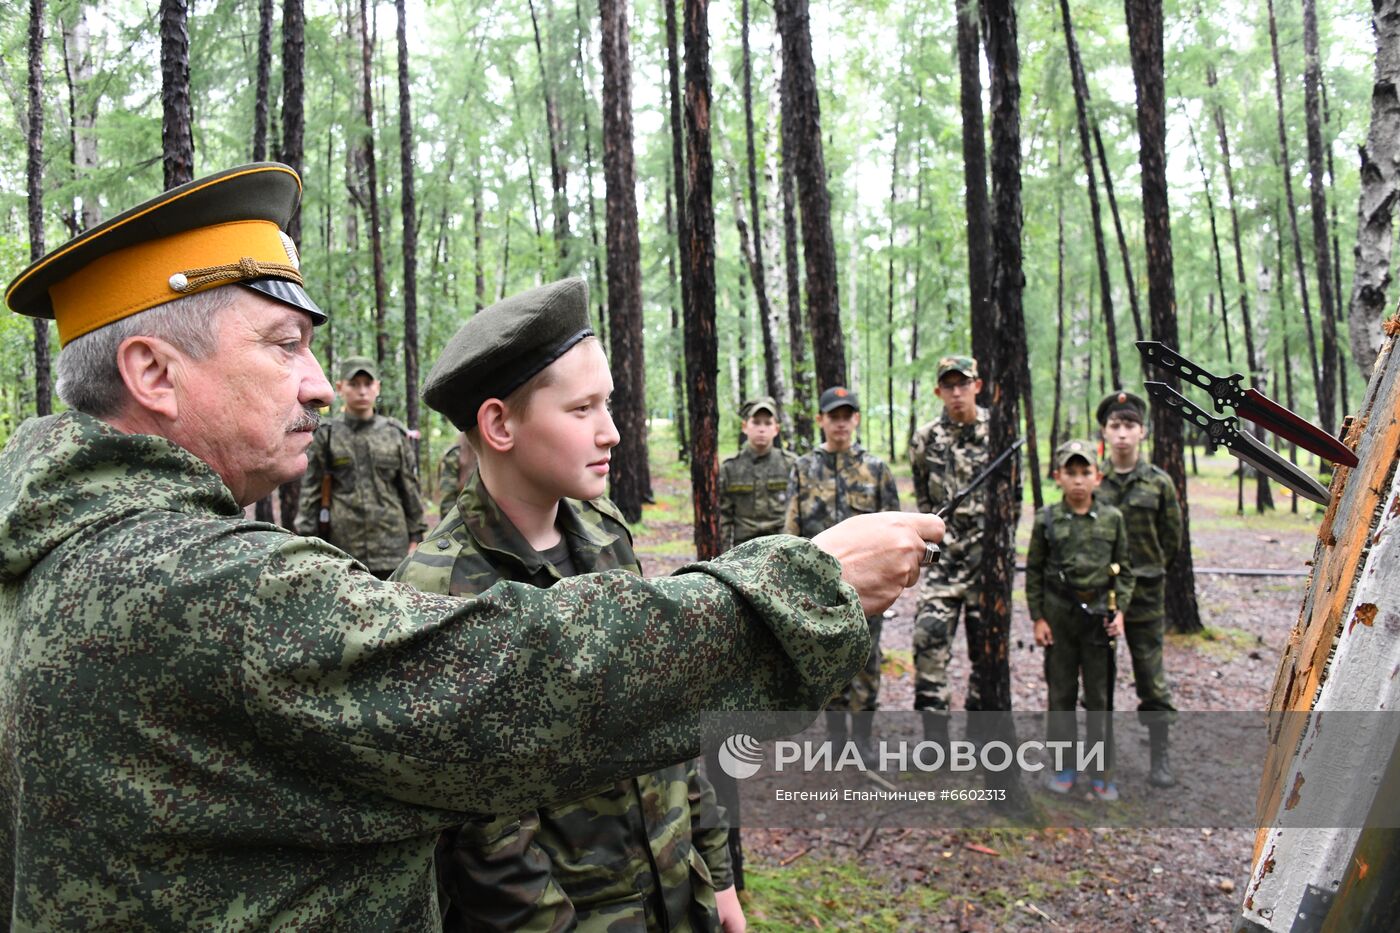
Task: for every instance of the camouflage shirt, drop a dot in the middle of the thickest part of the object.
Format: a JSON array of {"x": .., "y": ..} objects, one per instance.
[
  {"x": 826, "y": 488},
  {"x": 945, "y": 457},
  {"x": 375, "y": 506},
  {"x": 1070, "y": 552},
  {"x": 589, "y": 859},
  {"x": 753, "y": 495},
  {"x": 449, "y": 479},
  {"x": 1147, "y": 498},
  {"x": 207, "y": 722}
]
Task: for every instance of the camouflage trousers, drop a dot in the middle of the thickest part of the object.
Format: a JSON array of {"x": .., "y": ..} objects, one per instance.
[
  {"x": 935, "y": 624},
  {"x": 1145, "y": 646},
  {"x": 862, "y": 694},
  {"x": 1080, "y": 647}
]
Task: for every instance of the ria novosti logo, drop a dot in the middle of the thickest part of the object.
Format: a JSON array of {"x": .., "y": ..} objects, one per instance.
[{"x": 740, "y": 756}]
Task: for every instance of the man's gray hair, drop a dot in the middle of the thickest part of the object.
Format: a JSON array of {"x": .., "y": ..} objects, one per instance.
[{"x": 88, "y": 378}]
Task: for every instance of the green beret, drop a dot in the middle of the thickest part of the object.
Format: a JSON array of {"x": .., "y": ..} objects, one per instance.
[
  {"x": 500, "y": 349},
  {"x": 1124, "y": 405},
  {"x": 358, "y": 364},
  {"x": 1069, "y": 450}
]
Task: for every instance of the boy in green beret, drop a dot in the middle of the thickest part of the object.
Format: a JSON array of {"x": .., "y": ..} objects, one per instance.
[
  {"x": 528, "y": 383},
  {"x": 1077, "y": 577},
  {"x": 753, "y": 482}
]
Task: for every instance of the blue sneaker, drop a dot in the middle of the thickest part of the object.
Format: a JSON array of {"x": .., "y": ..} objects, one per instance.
[
  {"x": 1105, "y": 790},
  {"x": 1061, "y": 781}
]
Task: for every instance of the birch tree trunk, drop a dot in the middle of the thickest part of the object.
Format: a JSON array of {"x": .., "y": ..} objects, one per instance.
[{"x": 410, "y": 235}]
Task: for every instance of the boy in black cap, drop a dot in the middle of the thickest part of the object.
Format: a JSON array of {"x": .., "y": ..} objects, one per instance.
[
  {"x": 836, "y": 480},
  {"x": 1077, "y": 577},
  {"x": 527, "y": 382}
]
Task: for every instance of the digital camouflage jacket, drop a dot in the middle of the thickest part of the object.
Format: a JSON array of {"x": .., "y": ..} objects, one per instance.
[
  {"x": 208, "y": 722},
  {"x": 826, "y": 488},
  {"x": 753, "y": 495},
  {"x": 945, "y": 457},
  {"x": 648, "y": 852},
  {"x": 376, "y": 508}
]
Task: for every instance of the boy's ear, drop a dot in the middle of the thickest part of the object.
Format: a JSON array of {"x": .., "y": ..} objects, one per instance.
[{"x": 492, "y": 426}]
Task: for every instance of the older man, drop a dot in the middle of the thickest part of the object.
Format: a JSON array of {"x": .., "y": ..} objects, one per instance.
[{"x": 210, "y": 722}]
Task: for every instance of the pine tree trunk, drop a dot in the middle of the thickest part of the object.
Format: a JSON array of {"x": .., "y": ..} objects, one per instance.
[
  {"x": 558, "y": 171},
  {"x": 1380, "y": 186},
  {"x": 34, "y": 170},
  {"x": 678, "y": 170},
  {"x": 1322, "y": 249},
  {"x": 772, "y": 357},
  {"x": 376, "y": 237},
  {"x": 804, "y": 399},
  {"x": 1263, "y": 492},
  {"x": 1214, "y": 248},
  {"x": 260, "y": 100},
  {"x": 1324, "y": 416},
  {"x": 1081, "y": 108},
  {"x": 629, "y": 479},
  {"x": 918, "y": 274},
  {"x": 293, "y": 128},
  {"x": 701, "y": 344},
  {"x": 979, "y": 211},
  {"x": 1129, "y": 280},
  {"x": 410, "y": 236},
  {"x": 809, "y": 167},
  {"x": 177, "y": 119},
  {"x": 596, "y": 260},
  {"x": 1059, "y": 304},
  {"x": 679, "y": 405},
  {"x": 1145, "y": 43},
  {"x": 991, "y": 674}
]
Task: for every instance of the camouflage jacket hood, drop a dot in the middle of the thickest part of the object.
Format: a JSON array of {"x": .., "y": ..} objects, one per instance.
[{"x": 70, "y": 472}]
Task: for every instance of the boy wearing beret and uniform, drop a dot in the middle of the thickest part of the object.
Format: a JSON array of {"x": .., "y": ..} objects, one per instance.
[
  {"x": 375, "y": 510},
  {"x": 456, "y": 465},
  {"x": 1077, "y": 579},
  {"x": 1146, "y": 496},
  {"x": 836, "y": 480},
  {"x": 527, "y": 382},
  {"x": 753, "y": 483}
]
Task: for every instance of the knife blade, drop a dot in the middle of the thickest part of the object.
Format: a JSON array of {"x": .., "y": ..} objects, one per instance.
[
  {"x": 1225, "y": 432},
  {"x": 1250, "y": 404}
]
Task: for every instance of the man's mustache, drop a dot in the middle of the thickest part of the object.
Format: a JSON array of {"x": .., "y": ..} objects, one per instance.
[{"x": 309, "y": 420}]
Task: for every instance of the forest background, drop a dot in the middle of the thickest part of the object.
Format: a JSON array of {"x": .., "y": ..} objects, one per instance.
[{"x": 765, "y": 199}]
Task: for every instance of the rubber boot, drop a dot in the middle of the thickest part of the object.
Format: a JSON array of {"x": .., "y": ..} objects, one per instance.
[
  {"x": 1160, "y": 773},
  {"x": 836, "y": 731},
  {"x": 865, "y": 745}
]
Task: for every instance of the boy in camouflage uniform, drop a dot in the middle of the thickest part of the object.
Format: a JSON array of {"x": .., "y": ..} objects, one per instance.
[
  {"x": 835, "y": 481},
  {"x": 1077, "y": 577},
  {"x": 1147, "y": 498},
  {"x": 945, "y": 455},
  {"x": 376, "y": 512},
  {"x": 533, "y": 512},
  {"x": 753, "y": 483},
  {"x": 456, "y": 465}
]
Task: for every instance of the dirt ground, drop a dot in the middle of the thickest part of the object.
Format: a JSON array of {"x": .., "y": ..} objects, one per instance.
[{"x": 1069, "y": 879}]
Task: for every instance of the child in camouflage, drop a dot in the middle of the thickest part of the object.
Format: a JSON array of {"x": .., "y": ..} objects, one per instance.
[
  {"x": 649, "y": 853},
  {"x": 1077, "y": 576}
]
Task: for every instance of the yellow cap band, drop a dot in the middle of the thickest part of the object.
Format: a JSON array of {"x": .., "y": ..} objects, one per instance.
[{"x": 140, "y": 275}]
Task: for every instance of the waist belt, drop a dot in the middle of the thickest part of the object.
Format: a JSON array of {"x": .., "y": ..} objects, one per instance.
[{"x": 1067, "y": 592}]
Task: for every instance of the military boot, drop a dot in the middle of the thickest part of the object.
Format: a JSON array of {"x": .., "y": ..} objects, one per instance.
[
  {"x": 861, "y": 724},
  {"x": 1160, "y": 773},
  {"x": 836, "y": 731},
  {"x": 936, "y": 728}
]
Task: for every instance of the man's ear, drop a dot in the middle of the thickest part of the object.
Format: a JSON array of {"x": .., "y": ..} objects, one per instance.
[
  {"x": 492, "y": 426},
  {"x": 148, "y": 368}
]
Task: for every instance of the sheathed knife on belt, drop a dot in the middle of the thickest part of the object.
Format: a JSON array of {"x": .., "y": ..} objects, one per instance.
[
  {"x": 1250, "y": 404},
  {"x": 1225, "y": 432}
]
